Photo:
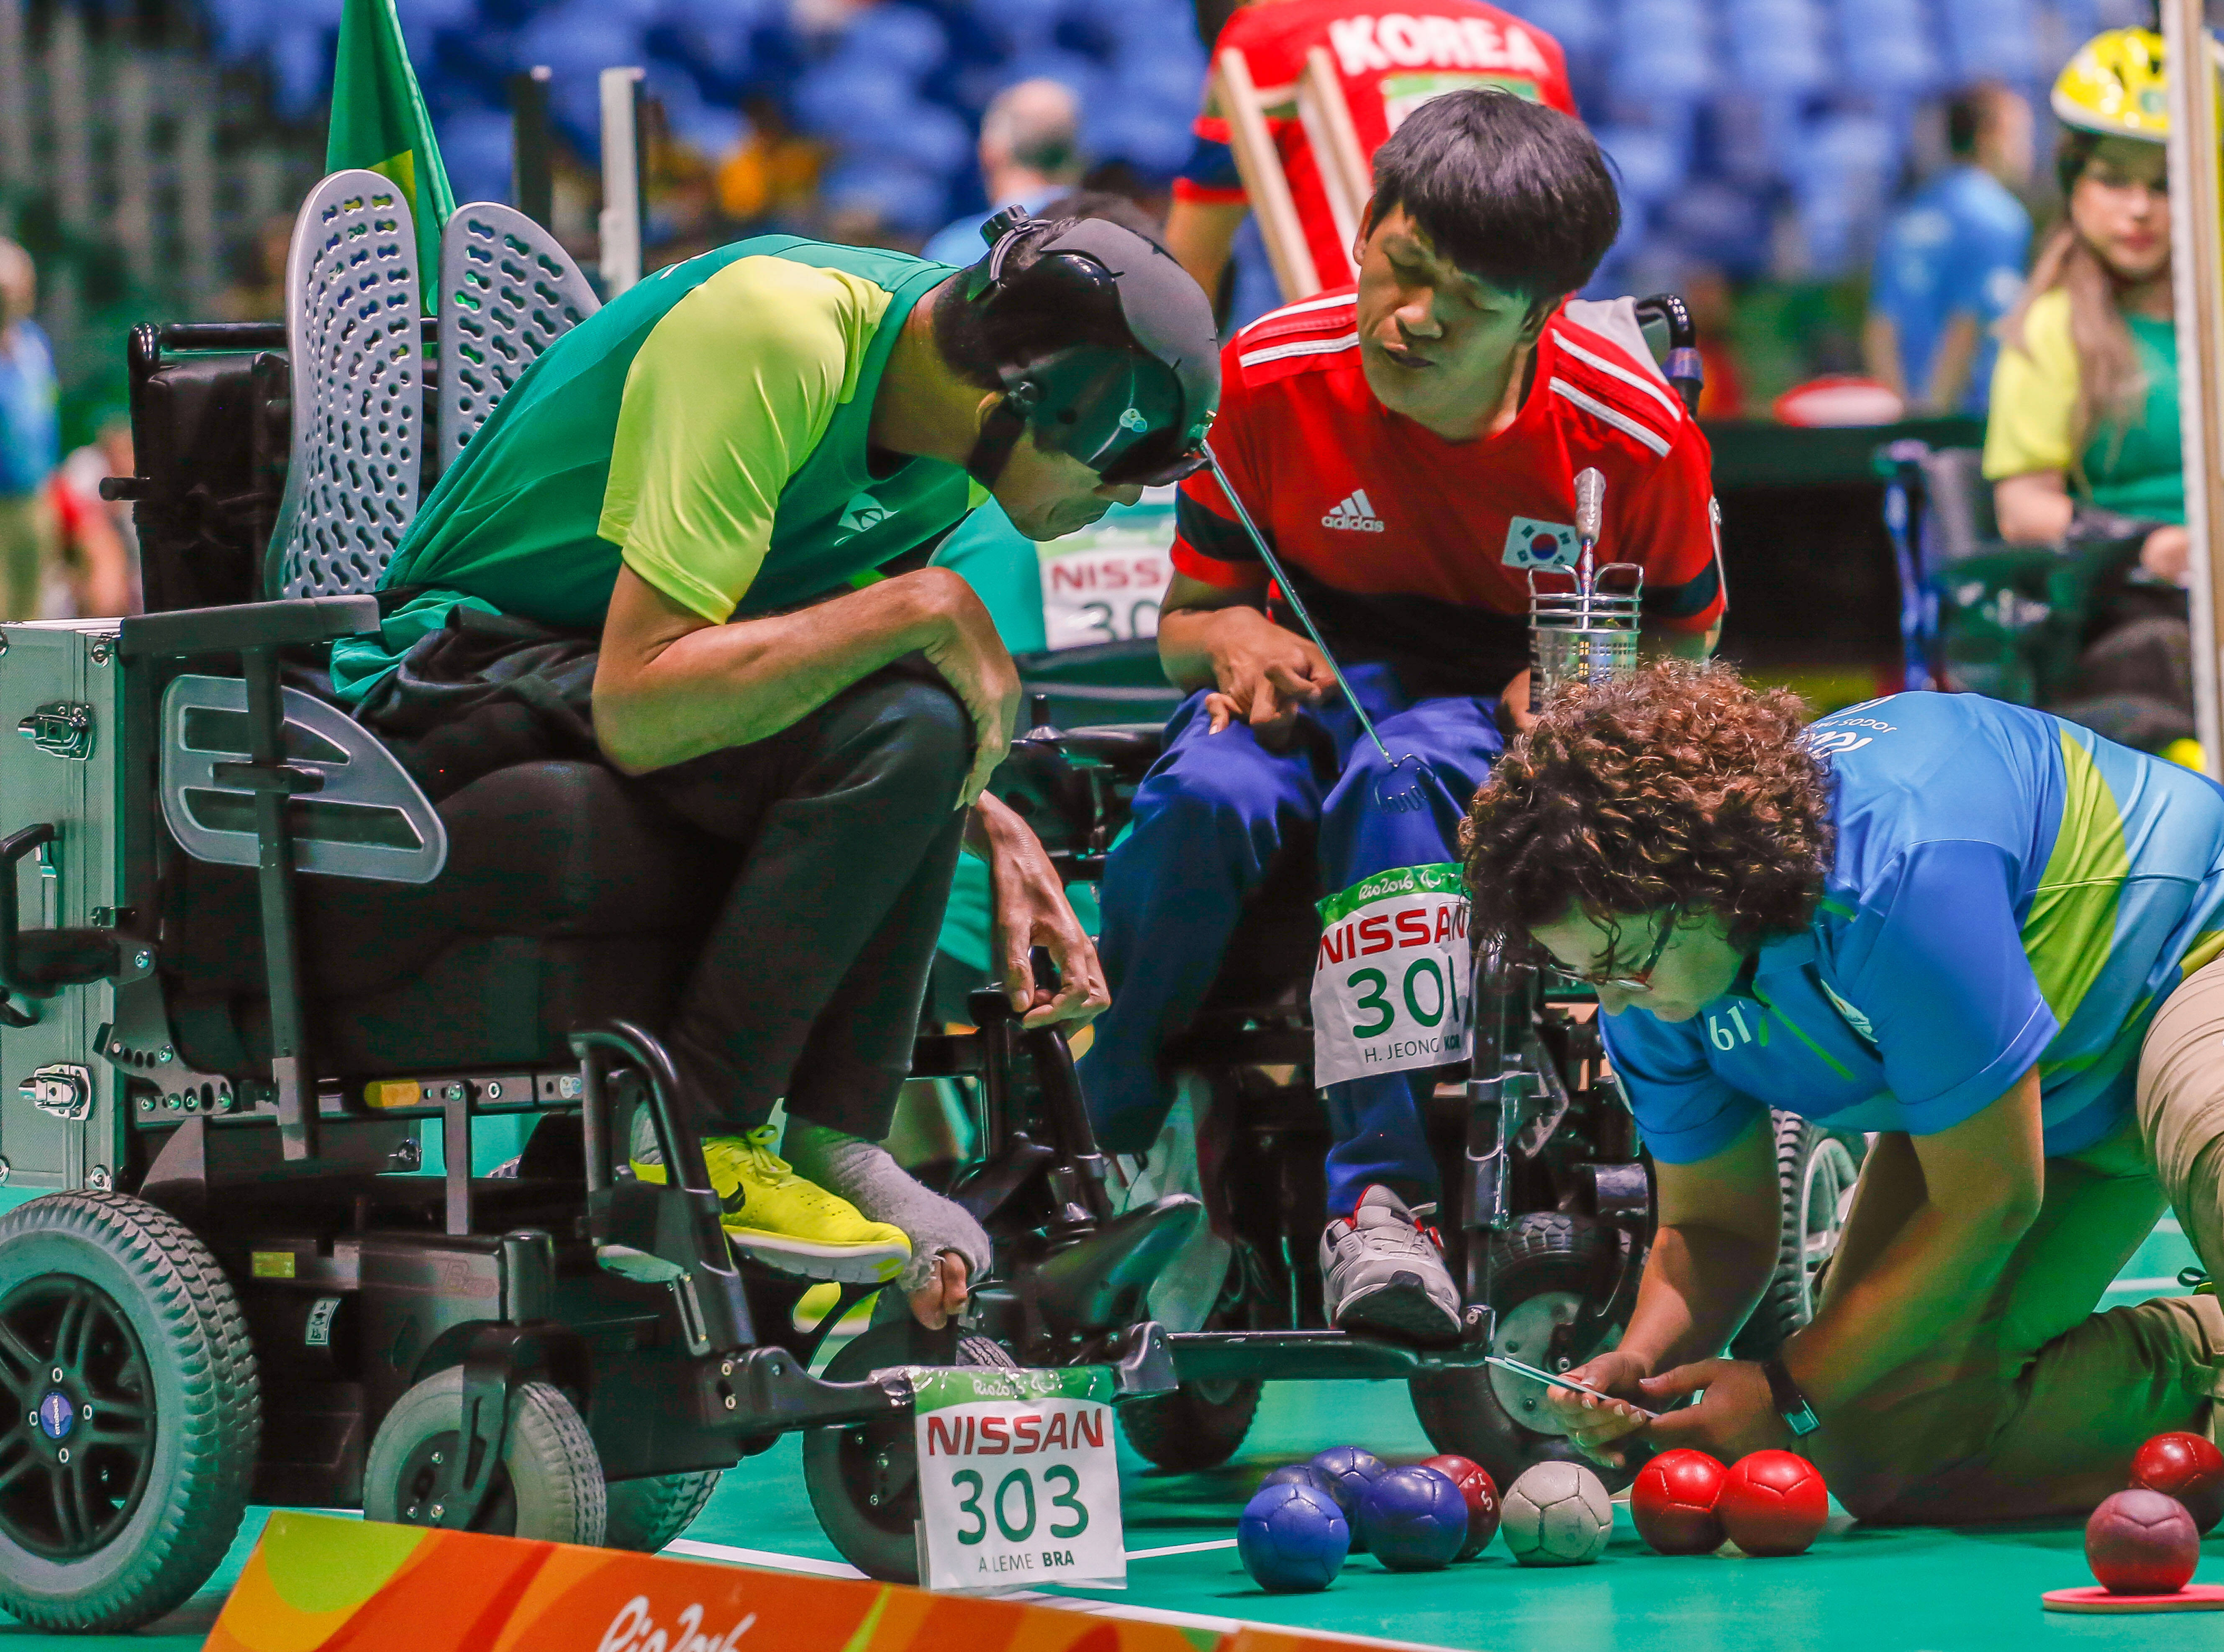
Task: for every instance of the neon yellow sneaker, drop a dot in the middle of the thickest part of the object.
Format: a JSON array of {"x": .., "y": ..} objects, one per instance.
[{"x": 774, "y": 1216}]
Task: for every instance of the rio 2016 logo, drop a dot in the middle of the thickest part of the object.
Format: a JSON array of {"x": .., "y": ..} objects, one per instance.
[{"x": 634, "y": 1629}]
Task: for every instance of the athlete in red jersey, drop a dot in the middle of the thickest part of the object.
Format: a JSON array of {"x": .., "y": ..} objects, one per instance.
[
  {"x": 1390, "y": 62},
  {"x": 1415, "y": 549},
  {"x": 1410, "y": 450}
]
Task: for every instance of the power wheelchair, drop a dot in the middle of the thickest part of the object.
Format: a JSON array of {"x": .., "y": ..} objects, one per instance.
[
  {"x": 2074, "y": 628},
  {"x": 252, "y": 975}
]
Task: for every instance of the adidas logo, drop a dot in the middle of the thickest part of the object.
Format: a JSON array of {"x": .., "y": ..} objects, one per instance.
[{"x": 1354, "y": 515}]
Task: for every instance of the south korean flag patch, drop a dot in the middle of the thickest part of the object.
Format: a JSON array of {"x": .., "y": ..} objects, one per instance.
[{"x": 1532, "y": 544}]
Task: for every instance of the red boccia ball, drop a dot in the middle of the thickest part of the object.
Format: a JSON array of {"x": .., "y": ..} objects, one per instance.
[
  {"x": 1481, "y": 1493},
  {"x": 1772, "y": 1502},
  {"x": 2142, "y": 1542},
  {"x": 1673, "y": 1502},
  {"x": 2187, "y": 1467}
]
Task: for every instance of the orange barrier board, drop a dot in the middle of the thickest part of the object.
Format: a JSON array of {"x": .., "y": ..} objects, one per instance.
[{"x": 318, "y": 1584}]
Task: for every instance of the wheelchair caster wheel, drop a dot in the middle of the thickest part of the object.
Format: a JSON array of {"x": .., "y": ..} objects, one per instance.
[
  {"x": 1816, "y": 1170},
  {"x": 646, "y": 1514},
  {"x": 549, "y": 1484},
  {"x": 863, "y": 1481},
  {"x": 1547, "y": 1266},
  {"x": 138, "y": 1420}
]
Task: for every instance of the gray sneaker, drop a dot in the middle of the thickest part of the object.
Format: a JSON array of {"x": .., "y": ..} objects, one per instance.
[{"x": 1386, "y": 1272}]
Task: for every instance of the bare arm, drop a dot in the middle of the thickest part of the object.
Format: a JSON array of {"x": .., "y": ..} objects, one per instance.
[
  {"x": 2033, "y": 509},
  {"x": 107, "y": 565},
  {"x": 671, "y": 686},
  {"x": 1201, "y": 235},
  {"x": 1880, "y": 352},
  {"x": 1981, "y": 1183},
  {"x": 1211, "y": 636},
  {"x": 1949, "y": 368}
]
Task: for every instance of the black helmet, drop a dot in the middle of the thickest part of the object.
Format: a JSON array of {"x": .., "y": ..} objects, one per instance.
[{"x": 1135, "y": 413}]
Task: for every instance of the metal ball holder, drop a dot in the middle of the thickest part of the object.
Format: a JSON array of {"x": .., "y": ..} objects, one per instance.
[{"x": 1583, "y": 630}]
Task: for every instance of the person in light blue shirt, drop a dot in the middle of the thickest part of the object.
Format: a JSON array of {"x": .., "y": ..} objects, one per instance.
[
  {"x": 1985, "y": 935},
  {"x": 30, "y": 437},
  {"x": 1030, "y": 153},
  {"x": 1951, "y": 262}
]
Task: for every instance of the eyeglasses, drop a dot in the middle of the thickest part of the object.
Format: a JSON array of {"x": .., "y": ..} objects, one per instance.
[{"x": 1643, "y": 978}]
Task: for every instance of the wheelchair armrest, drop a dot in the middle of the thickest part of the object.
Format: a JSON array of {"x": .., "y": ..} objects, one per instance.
[
  {"x": 247, "y": 625},
  {"x": 1129, "y": 749}
]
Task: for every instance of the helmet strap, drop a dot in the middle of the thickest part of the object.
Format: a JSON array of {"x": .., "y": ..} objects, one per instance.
[{"x": 1000, "y": 432}]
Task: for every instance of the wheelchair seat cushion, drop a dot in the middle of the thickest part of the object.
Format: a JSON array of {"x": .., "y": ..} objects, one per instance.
[{"x": 540, "y": 851}]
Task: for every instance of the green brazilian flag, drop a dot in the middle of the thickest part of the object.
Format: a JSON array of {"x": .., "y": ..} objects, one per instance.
[{"x": 379, "y": 123}]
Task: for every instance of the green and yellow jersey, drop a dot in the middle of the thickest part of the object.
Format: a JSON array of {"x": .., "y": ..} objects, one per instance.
[
  {"x": 2134, "y": 466},
  {"x": 709, "y": 430},
  {"x": 2009, "y": 890}
]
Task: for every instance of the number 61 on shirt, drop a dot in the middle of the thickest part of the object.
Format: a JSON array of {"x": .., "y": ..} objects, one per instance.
[{"x": 1390, "y": 983}]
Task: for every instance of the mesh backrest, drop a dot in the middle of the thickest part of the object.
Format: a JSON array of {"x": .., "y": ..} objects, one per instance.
[
  {"x": 353, "y": 337},
  {"x": 507, "y": 291}
]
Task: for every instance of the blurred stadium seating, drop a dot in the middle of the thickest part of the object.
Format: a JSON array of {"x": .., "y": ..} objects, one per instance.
[{"x": 1763, "y": 136}]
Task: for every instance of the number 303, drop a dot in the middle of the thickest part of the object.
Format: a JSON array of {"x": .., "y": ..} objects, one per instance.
[{"x": 1014, "y": 1503}]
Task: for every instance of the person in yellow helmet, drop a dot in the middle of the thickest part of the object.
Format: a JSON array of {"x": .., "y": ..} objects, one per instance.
[{"x": 2083, "y": 446}]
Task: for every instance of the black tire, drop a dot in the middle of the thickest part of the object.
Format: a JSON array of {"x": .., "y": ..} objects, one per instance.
[
  {"x": 137, "y": 1313},
  {"x": 549, "y": 1484},
  {"x": 645, "y": 1514},
  {"x": 863, "y": 1481},
  {"x": 1547, "y": 1264},
  {"x": 1199, "y": 1426},
  {"x": 1815, "y": 1173}
]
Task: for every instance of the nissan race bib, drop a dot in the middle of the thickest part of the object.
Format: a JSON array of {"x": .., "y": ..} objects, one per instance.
[
  {"x": 1106, "y": 583},
  {"x": 1390, "y": 987},
  {"x": 1018, "y": 1482}
]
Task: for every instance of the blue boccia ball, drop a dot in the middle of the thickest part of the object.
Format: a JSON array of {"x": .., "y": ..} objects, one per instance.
[
  {"x": 1292, "y": 1538},
  {"x": 1302, "y": 1474},
  {"x": 1349, "y": 1471},
  {"x": 1414, "y": 1519}
]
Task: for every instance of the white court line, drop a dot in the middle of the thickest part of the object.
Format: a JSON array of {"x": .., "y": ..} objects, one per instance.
[
  {"x": 770, "y": 1560},
  {"x": 2168, "y": 1282},
  {"x": 1179, "y": 1549},
  {"x": 765, "y": 1558}
]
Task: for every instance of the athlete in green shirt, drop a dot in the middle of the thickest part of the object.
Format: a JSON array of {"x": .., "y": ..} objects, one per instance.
[{"x": 691, "y": 542}]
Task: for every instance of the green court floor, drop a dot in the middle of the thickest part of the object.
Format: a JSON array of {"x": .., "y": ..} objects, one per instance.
[{"x": 1856, "y": 1591}]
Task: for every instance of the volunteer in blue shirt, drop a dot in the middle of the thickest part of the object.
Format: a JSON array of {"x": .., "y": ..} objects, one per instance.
[
  {"x": 1950, "y": 264},
  {"x": 1987, "y": 935}
]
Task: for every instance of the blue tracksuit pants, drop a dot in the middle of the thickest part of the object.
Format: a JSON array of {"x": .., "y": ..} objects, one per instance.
[{"x": 1209, "y": 819}]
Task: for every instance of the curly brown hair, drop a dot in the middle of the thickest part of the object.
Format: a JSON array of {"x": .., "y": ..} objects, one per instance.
[{"x": 1679, "y": 787}]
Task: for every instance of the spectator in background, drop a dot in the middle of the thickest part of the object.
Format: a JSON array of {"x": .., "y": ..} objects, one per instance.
[
  {"x": 1713, "y": 304},
  {"x": 2083, "y": 440},
  {"x": 1030, "y": 152},
  {"x": 31, "y": 436},
  {"x": 260, "y": 295},
  {"x": 1951, "y": 264},
  {"x": 97, "y": 567},
  {"x": 1388, "y": 65}
]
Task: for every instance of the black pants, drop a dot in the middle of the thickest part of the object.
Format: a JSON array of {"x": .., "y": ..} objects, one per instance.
[
  {"x": 810, "y": 983},
  {"x": 845, "y": 830}
]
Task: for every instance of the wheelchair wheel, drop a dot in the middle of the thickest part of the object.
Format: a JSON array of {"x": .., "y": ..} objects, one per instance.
[
  {"x": 1816, "y": 1168},
  {"x": 549, "y": 1484},
  {"x": 647, "y": 1514},
  {"x": 1547, "y": 1265},
  {"x": 863, "y": 1481},
  {"x": 137, "y": 1414},
  {"x": 1201, "y": 1424}
]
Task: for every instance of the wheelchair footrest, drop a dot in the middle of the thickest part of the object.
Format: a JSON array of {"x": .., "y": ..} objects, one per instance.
[{"x": 1287, "y": 1356}]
